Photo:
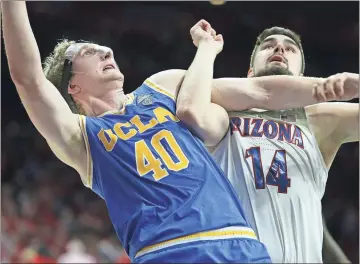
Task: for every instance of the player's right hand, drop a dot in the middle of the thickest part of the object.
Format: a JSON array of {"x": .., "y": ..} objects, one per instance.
[{"x": 203, "y": 32}]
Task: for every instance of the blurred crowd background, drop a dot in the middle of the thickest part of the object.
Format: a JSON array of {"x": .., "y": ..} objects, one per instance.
[{"x": 48, "y": 216}]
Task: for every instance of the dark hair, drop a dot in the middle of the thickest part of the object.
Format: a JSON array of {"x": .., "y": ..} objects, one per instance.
[{"x": 278, "y": 31}]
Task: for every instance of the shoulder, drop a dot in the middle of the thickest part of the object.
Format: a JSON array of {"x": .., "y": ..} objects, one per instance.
[{"x": 169, "y": 80}]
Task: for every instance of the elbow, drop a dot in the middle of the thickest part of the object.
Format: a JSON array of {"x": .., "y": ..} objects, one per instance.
[
  {"x": 24, "y": 76},
  {"x": 17, "y": 76},
  {"x": 24, "y": 80},
  {"x": 185, "y": 113},
  {"x": 190, "y": 116}
]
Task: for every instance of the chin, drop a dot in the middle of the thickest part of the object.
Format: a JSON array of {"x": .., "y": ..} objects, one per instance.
[
  {"x": 113, "y": 84},
  {"x": 114, "y": 76},
  {"x": 273, "y": 70}
]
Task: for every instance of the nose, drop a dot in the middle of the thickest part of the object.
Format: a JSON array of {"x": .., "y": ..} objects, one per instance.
[
  {"x": 105, "y": 55},
  {"x": 279, "y": 48}
]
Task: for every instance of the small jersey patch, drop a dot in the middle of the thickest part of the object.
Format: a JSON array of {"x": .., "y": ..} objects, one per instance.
[{"x": 144, "y": 99}]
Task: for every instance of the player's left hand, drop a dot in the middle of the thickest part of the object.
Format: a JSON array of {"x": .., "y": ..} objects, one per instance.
[{"x": 203, "y": 32}]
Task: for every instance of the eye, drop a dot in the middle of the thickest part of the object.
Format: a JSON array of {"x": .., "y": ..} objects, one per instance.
[
  {"x": 89, "y": 52},
  {"x": 290, "y": 49},
  {"x": 268, "y": 46}
]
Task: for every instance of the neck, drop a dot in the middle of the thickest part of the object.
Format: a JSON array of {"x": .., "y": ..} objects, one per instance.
[{"x": 112, "y": 100}]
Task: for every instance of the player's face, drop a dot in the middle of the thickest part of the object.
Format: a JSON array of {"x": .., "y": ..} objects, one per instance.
[
  {"x": 95, "y": 71},
  {"x": 277, "y": 55}
]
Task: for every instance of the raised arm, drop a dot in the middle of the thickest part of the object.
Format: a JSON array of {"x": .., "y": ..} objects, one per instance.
[
  {"x": 44, "y": 104},
  {"x": 209, "y": 121}
]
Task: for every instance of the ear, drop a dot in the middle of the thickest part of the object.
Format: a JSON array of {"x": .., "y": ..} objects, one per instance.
[
  {"x": 250, "y": 73},
  {"x": 73, "y": 89}
]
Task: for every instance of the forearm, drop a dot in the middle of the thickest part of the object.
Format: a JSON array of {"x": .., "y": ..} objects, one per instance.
[
  {"x": 195, "y": 93},
  {"x": 268, "y": 92},
  {"x": 20, "y": 44}
]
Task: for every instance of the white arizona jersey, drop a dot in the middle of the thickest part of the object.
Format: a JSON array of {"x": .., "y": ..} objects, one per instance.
[{"x": 279, "y": 174}]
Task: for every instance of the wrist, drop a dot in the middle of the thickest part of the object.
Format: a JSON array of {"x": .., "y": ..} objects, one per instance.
[
  {"x": 354, "y": 77},
  {"x": 209, "y": 46},
  {"x": 352, "y": 84}
]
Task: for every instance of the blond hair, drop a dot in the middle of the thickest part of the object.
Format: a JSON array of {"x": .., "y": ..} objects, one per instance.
[
  {"x": 53, "y": 68},
  {"x": 54, "y": 63}
]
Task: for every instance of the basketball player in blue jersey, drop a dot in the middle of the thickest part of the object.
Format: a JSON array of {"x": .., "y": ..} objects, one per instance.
[
  {"x": 288, "y": 221},
  {"x": 167, "y": 198}
]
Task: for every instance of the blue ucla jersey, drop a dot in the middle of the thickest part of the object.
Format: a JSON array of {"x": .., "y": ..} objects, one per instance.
[{"x": 158, "y": 181}]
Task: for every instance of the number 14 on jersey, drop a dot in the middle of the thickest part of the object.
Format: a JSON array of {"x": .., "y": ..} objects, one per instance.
[{"x": 277, "y": 174}]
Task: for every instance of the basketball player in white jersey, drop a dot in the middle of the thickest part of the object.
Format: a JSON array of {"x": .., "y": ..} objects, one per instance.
[{"x": 277, "y": 161}]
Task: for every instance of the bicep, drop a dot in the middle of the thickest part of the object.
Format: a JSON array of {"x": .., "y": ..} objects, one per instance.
[
  {"x": 348, "y": 129},
  {"x": 53, "y": 118},
  {"x": 169, "y": 80},
  {"x": 336, "y": 121},
  {"x": 333, "y": 124}
]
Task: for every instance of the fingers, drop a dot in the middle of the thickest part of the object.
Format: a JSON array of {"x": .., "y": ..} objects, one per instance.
[
  {"x": 330, "y": 89},
  {"x": 200, "y": 26},
  {"x": 319, "y": 92},
  {"x": 207, "y": 28},
  {"x": 219, "y": 38},
  {"x": 339, "y": 87},
  {"x": 204, "y": 23}
]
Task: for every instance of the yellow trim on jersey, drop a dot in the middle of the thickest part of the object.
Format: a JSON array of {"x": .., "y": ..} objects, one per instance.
[
  {"x": 158, "y": 88},
  {"x": 222, "y": 233},
  {"x": 89, "y": 162}
]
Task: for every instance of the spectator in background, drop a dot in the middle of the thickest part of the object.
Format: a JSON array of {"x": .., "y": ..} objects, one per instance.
[
  {"x": 123, "y": 258},
  {"x": 76, "y": 253}
]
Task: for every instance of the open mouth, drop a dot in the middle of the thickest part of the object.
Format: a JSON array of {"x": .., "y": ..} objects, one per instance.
[
  {"x": 109, "y": 67},
  {"x": 277, "y": 58}
]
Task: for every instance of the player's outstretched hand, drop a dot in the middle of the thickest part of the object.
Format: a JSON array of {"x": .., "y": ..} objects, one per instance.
[
  {"x": 342, "y": 86},
  {"x": 202, "y": 31}
]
